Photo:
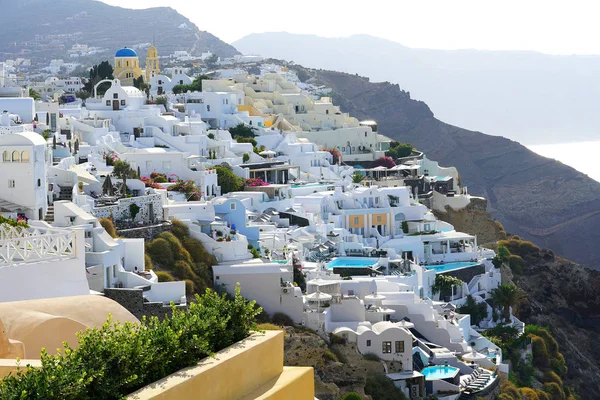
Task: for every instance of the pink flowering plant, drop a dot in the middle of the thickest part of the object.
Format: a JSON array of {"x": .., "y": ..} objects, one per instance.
[{"x": 256, "y": 182}]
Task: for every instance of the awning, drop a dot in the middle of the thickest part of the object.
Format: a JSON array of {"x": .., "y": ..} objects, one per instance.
[{"x": 7, "y": 206}]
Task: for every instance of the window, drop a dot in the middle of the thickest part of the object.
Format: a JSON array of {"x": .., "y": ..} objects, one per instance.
[
  {"x": 16, "y": 156},
  {"x": 355, "y": 220},
  {"x": 39, "y": 182},
  {"x": 208, "y": 107},
  {"x": 88, "y": 234},
  {"x": 232, "y": 206},
  {"x": 108, "y": 103},
  {"x": 6, "y": 156},
  {"x": 399, "y": 346},
  {"x": 122, "y": 102},
  {"x": 181, "y": 82},
  {"x": 327, "y": 112},
  {"x": 116, "y": 96},
  {"x": 365, "y": 134},
  {"x": 369, "y": 343},
  {"x": 11, "y": 183},
  {"x": 159, "y": 82},
  {"x": 386, "y": 347}
]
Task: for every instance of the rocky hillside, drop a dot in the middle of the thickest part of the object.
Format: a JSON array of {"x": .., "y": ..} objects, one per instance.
[
  {"x": 61, "y": 23},
  {"x": 540, "y": 199}
]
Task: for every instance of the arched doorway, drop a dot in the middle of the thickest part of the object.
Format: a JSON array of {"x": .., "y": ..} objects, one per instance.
[{"x": 398, "y": 220}]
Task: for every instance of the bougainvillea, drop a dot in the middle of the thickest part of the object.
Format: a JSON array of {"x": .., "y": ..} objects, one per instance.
[{"x": 254, "y": 182}]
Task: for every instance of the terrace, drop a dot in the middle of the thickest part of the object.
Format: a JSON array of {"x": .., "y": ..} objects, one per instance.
[{"x": 20, "y": 245}]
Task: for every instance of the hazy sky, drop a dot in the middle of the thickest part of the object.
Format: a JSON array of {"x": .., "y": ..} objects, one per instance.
[{"x": 555, "y": 27}]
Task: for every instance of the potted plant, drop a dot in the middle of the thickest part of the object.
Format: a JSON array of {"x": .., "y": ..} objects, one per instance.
[
  {"x": 220, "y": 239},
  {"x": 233, "y": 232},
  {"x": 228, "y": 239}
]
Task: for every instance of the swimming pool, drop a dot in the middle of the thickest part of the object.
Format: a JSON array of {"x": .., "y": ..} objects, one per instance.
[
  {"x": 453, "y": 266},
  {"x": 351, "y": 262},
  {"x": 282, "y": 262},
  {"x": 439, "y": 372},
  {"x": 311, "y": 185}
]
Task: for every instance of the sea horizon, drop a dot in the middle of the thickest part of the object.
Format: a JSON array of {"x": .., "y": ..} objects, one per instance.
[{"x": 579, "y": 155}]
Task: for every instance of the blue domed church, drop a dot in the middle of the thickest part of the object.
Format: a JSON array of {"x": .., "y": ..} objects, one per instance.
[{"x": 127, "y": 66}]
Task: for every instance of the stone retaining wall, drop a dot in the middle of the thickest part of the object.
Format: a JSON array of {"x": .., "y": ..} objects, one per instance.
[
  {"x": 146, "y": 232},
  {"x": 133, "y": 301}
]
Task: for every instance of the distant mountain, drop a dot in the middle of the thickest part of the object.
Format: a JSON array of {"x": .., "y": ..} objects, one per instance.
[
  {"x": 525, "y": 96},
  {"x": 43, "y": 29},
  {"x": 534, "y": 197}
]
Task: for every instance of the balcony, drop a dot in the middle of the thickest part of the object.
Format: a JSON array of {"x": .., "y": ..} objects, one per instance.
[{"x": 22, "y": 245}]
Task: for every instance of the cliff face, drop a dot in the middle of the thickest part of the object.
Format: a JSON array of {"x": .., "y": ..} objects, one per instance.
[
  {"x": 540, "y": 199},
  {"x": 67, "y": 22}
]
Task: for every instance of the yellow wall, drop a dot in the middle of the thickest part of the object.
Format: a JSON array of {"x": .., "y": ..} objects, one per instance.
[
  {"x": 361, "y": 221},
  {"x": 249, "y": 370},
  {"x": 125, "y": 65},
  {"x": 380, "y": 219}
]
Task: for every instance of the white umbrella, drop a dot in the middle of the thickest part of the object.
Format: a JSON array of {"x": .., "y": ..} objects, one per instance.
[
  {"x": 374, "y": 297},
  {"x": 267, "y": 153},
  {"x": 405, "y": 324},
  {"x": 473, "y": 356},
  {"x": 318, "y": 296}
]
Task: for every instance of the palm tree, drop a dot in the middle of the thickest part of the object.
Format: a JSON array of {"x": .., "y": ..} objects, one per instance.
[
  {"x": 506, "y": 296},
  {"x": 357, "y": 177}
]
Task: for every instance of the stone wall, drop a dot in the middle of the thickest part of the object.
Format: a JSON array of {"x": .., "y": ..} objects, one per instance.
[
  {"x": 146, "y": 232},
  {"x": 133, "y": 301},
  {"x": 121, "y": 210}
]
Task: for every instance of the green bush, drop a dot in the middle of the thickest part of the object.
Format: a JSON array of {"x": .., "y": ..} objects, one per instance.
[
  {"x": 189, "y": 287},
  {"x": 478, "y": 311},
  {"x": 161, "y": 253},
  {"x": 227, "y": 180},
  {"x": 516, "y": 264},
  {"x": 164, "y": 276},
  {"x": 118, "y": 359},
  {"x": 336, "y": 339},
  {"x": 371, "y": 357},
  {"x": 554, "y": 391},
  {"x": 329, "y": 356},
  {"x": 179, "y": 252},
  {"x": 541, "y": 356},
  {"x": 351, "y": 396},
  {"x": 147, "y": 262},
  {"x": 528, "y": 394},
  {"x": 197, "y": 251},
  {"x": 379, "y": 387},
  {"x": 550, "y": 376},
  {"x": 108, "y": 226},
  {"x": 282, "y": 319},
  {"x": 180, "y": 229}
]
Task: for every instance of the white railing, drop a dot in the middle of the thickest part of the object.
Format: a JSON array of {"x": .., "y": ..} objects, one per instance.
[{"x": 18, "y": 246}]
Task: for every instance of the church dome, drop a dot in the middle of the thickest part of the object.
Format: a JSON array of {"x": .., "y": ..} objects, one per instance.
[{"x": 126, "y": 52}]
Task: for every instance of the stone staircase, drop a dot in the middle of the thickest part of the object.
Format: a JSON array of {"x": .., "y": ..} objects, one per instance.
[{"x": 49, "y": 217}]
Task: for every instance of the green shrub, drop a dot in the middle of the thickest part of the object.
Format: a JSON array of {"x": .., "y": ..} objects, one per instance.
[
  {"x": 379, "y": 387},
  {"x": 269, "y": 327},
  {"x": 147, "y": 262},
  {"x": 282, "y": 319},
  {"x": 179, "y": 252},
  {"x": 371, "y": 357},
  {"x": 164, "y": 276},
  {"x": 554, "y": 391},
  {"x": 516, "y": 264},
  {"x": 336, "y": 339},
  {"x": 329, "y": 356},
  {"x": 550, "y": 376},
  {"x": 351, "y": 396},
  {"x": 528, "y": 394},
  {"x": 228, "y": 181},
  {"x": 134, "y": 210},
  {"x": 478, "y": 311},
  {"x": 197, "y": 251},
  {"x": 189, "y": 287},
  {"x": 541, "y": 356},
  {"x": 117, "y": 359},
  {"x": 180, "y": 229},
  {"x": 108, "y": 226},
  {"x": 542, "y": 395},
  {"x": 161, "y": 253},
  {"x": 559, "y": 365}
]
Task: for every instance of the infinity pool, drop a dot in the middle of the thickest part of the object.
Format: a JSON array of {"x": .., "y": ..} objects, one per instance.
[
  {"x": 352, "y": 262},
  {"x": 439, "y": 372},
  {"x": 453, "y": 266}
]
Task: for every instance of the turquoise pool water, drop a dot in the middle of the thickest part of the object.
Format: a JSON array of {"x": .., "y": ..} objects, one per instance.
[
  {"x": 311, "y": 185},
  {"x": 439, "y": 372},
  {"x": 351, "y": 262},
  {"x": 453, "y": 266},
  {"x": 282, "y": 262}
]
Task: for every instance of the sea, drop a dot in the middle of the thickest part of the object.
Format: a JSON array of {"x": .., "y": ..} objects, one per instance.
[{"x": 583, "y": 156}]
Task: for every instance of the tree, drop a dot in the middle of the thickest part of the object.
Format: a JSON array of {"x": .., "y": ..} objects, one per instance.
[
  {"x": 211, "y": 62},
  {"x": 195, "y": 86},
  {"x": 399, "y": 150},
  {"x": 228, "y": 181},
  {"x": 83, "y": 95},
  {"x": 246, "y": 157},
  {"x": 122, "y": 170},
  {"x": 97, "y": 73},
  {"x": 241, "y": 131},
  {"x": 34, "y": 94},
  {"x": 357, "y": 177},
  {"x": 478, "y": 311},
  {"x": 506, "y": 296}
]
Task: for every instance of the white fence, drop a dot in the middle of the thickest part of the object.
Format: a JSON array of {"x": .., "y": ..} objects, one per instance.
[{"x": 29, "y": 245}]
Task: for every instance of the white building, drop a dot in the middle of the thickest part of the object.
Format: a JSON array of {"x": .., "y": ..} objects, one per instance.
[{"x": 24, "y": 166}]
